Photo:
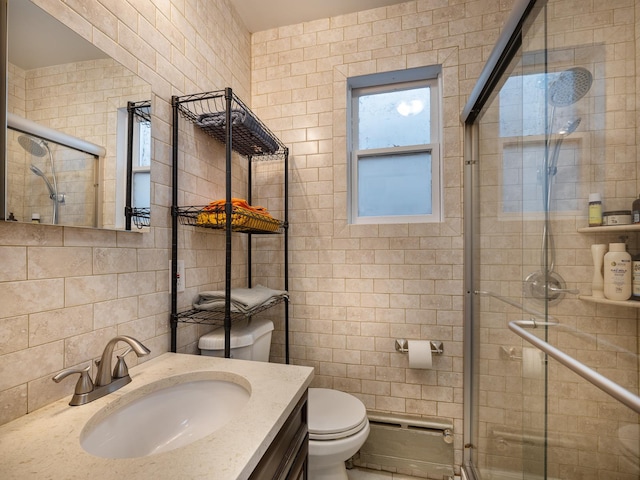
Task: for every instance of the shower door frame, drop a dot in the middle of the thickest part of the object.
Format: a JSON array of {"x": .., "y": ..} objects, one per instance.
[{"x": 506, "y": 47}]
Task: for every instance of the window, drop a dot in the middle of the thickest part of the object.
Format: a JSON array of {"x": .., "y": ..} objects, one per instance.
[
  {"x": 394, "y": 149},
  {"x": 141, "y": 168}
]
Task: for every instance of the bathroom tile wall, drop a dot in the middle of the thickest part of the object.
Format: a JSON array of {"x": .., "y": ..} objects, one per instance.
[
  {"x": 356, "y": 288},
  {"x": 64, "y": 292}
]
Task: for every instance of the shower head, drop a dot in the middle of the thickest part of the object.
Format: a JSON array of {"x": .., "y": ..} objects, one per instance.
[
  {"x": 569, "y": 127},
  {"x": 34, "y": 146},
  {"x": 570, "y": 86},
  {"x": 38, "y": 172}
]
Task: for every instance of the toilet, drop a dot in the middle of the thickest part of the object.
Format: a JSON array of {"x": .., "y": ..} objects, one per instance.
[
  {"x": 338, "y": 427},
  {"x": 250, "y": 340},
  {"x": 338, "y": 423}
]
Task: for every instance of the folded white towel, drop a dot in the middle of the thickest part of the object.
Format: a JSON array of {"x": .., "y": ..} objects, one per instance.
[{"x": 242, "y": 299}]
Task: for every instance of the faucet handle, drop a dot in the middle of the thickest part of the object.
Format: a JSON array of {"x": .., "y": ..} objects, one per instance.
[
  {"x": 84, "y": 384},
  {"x": 121, "y": 369}
]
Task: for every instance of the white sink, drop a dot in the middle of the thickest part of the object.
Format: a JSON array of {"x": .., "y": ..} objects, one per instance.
[{"x": 165, "y": 415}]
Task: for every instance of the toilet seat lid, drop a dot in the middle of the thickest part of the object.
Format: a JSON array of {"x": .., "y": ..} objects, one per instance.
[{"x": 334, "y": 414}]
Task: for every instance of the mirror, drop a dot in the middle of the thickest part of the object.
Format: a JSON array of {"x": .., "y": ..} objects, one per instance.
[{"x": 78, "y": 138}]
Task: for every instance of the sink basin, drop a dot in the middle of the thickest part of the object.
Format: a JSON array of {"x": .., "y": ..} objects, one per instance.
[{"x": 165, "y": 415}]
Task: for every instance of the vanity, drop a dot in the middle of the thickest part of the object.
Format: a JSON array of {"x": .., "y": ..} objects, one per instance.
[{"x": 266, "y": 438}]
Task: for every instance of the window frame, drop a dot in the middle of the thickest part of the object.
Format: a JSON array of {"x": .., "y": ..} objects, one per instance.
[
  {"x": 389, "y": 82},
  {"x": 121, "y": 164}
]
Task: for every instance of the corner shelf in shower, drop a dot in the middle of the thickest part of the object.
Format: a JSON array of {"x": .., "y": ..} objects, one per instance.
[
  {"x": 611, "y": 229},
  {"x": 635, "y": 227},
  {"x": 606, "y": 301}
]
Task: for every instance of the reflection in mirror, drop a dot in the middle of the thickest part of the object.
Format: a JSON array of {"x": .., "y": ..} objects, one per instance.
[
  {"x": 62, "y": 84},
  {"x": 138, "y": 185},
  {"x": 49, "y": 182}
]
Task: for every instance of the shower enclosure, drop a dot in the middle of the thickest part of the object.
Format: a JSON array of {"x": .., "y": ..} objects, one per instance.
[
  {"x": 552, "y": 372},
  {"x": 51, "y": 182}
]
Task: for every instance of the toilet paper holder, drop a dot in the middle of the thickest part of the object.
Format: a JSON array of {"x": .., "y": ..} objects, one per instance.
[{"x": 402, "y": 346}]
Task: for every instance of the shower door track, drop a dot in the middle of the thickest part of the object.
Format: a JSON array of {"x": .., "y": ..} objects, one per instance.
[{"x": 603, "y": 383}]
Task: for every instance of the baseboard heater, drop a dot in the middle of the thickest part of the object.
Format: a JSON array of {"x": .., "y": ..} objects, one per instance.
[{"x": 408, "y": 445}]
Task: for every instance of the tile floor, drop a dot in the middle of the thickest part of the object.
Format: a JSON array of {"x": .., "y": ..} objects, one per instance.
[{"x": 362, "y": 474}]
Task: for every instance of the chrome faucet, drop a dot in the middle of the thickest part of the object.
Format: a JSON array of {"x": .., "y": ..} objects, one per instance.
[
  {"x": 108, "y": 379},
  {"x": 104, "y": 376}
]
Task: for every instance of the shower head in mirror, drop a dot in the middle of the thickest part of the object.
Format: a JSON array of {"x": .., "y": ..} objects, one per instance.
[
  {"x": 570, "y": 86},
  {"x": 38, "y": 172},
  {"x": 34, "y": 146}
]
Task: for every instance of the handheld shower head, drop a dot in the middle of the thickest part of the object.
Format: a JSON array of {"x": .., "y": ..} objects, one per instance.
[
  {"x": 566, "y": 130},
  {"x": 569, "y": 127},
  {"x": 34, "y": 147},
  {"x": 38, "y": 172}
]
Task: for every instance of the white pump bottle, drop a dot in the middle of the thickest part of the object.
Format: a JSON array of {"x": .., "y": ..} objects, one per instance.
[{"x": 617, "y": 272}]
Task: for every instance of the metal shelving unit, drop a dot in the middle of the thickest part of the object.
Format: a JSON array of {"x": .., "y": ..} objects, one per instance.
[{"x": 248, "y": 136}]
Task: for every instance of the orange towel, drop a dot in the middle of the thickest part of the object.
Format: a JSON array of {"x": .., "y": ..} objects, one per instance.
[
  {"x": 218, "y": 206},
  {"x": 243, "y": 216}
]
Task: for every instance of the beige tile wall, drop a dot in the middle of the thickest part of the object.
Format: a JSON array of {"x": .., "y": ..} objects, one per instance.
[
  {"x": 356, "y": 288},
  {"x": 65, "y": 291}
]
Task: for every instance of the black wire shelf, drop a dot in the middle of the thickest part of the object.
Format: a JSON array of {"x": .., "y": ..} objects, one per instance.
[
  {"x": 216, "y": 317},
  {"x": 242, "y": 220},
  {"x": 250, "y": 136},
  {"x": 141, "y": 217}
]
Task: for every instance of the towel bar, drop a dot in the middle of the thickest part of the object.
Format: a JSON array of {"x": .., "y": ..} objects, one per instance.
[{"x": 605, "y": 384}]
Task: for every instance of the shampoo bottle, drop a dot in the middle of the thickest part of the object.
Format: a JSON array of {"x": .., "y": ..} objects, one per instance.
[
  {"x": 617, "y": 272},
  {"x": 635, "y": 277}
]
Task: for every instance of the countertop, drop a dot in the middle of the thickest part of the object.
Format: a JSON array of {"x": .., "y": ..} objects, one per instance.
[{"x": 45, "y": 444}]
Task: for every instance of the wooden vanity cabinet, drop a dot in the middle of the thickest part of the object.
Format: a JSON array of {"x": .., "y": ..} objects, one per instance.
[{"x": 286, "y": 458}]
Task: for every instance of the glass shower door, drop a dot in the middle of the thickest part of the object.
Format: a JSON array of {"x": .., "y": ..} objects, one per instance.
[
  {"x": 509, "y": 215},
  {"x": 546, "y": 137}
]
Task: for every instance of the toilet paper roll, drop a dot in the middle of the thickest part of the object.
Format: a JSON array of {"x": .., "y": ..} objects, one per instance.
[
  {"x": 532, "y": 363},
  {"x": 419, "y": 354}
]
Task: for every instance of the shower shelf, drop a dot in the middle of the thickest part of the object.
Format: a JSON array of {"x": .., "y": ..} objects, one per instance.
[
  {"x": 623, "y": 303},
  {"x": 611, "y": 229}
]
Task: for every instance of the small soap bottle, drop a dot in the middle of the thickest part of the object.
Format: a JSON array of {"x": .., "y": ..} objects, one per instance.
[
  {"x": 595, "y": 210},
  {"x": 635, "y": 211}
]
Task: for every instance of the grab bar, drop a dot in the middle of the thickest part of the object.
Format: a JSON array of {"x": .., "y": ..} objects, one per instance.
[{"x": 603, "y": 383}]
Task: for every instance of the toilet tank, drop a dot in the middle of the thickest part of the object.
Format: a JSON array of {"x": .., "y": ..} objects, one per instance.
[{"x": 250, "y": 340}]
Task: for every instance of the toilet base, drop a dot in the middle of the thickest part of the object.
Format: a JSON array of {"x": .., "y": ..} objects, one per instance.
[
  {"x": 336, "y": 471},
  {"x": 327, "y": 458}
]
